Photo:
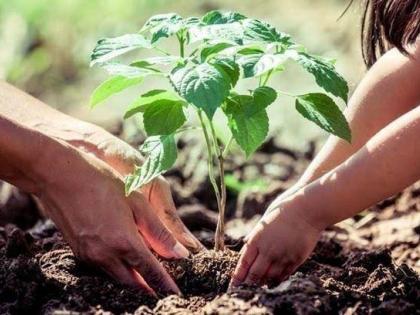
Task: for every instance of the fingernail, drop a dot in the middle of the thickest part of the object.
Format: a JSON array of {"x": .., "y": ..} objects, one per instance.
[
  {"x": 193, "y": 244},
  {"x": 180, "y": 251}
]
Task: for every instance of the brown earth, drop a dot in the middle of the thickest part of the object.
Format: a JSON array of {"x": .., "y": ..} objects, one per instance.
[{"x": 365, "y": 265}]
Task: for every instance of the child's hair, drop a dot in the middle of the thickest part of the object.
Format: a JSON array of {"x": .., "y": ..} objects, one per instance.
[{"x": 386, "y": 24}]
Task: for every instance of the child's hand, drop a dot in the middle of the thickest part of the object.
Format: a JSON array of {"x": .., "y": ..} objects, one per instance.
[{"x": 281, "y": 241}]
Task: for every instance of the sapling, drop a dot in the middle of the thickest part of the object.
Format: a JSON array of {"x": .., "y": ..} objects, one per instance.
[{"x": 215, "y": 52}]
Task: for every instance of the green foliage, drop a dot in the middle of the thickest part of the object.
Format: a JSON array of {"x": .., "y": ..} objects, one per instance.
[
  {"x": 161, "y": 155},
  {"x": 216, "y": 52},
  {"x": 237, "y": 186},
  {"x": 322, "y": 110},
  {"x": 247, "y": 117},
  {"x": 325, "y": 75},
  {"x": 112, "y": 86},
  {"x": 163, "y": 117},
  {"x": 204, "y": 86},
  {"x": 109, "y": 48}
]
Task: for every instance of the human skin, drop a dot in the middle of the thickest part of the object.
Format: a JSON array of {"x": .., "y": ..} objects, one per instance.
[
  {"x": 344, "y": 179},
  {"x": 76, "y": 170}
]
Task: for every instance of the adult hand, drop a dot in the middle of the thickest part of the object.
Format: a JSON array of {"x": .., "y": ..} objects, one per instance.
[
  {"x": 122, "y": 158},
  {"x": 76, "y": 171},
  {"x": 85, "y": 198}
]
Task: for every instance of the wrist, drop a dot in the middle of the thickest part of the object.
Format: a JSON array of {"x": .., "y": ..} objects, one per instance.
[{"x": 308, "y": 212}]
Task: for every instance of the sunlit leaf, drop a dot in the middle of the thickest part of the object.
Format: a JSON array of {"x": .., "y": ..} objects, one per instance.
[
  {"x": 112, "y": 86},
  {"x": 161, "y": 152},
  {"x": 204, "y": 85},
  {"x": 321, "y": 109},
  {"x": 109, "y": 48}
]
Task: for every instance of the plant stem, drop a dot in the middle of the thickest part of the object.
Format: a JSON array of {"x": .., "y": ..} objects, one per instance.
[
  {"x": 181, "y": 45},
  {"x": 219, "y": 238},
  {"x": 210, "y": 154},
  {"x": 287, "y": 94},
  {"x": 267, "y": 77},
  {"x": 162, "y": 51},
  {"x": 227, "y": 147}
]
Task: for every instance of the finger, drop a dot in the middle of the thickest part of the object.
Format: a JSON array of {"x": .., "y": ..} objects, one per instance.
[
  {"x": 126, "y": 275},
  {"x": 151, "y": 270},
  {"x": 249, "y": 254},
  {"x": 275, "y": 271},
  {"x": 287, "y": 271},
  {"x": 160, "y": 198},
  {"x": 154, "y": 231},
  {"x": 258, "y": 270},
  {"x": 281, "y": 271}
]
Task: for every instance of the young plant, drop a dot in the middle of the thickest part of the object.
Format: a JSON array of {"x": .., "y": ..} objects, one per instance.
[{"x": 215, "y": 52}]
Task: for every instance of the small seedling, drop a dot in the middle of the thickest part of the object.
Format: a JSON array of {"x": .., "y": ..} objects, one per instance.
[{"x": 215, "y": 53}]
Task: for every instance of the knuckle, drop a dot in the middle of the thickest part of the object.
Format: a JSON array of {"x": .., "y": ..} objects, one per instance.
[
  {"x": 153, "y": 276},
  {"x": 163, "y": 235},
  {"x": 123, "y": 246}
]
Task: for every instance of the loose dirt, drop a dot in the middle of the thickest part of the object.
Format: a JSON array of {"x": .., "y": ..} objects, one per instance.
[{"x": 366, "y": 265}]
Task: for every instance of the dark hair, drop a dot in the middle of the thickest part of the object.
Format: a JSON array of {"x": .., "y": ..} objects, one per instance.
[{"x": 387, "y": 24}]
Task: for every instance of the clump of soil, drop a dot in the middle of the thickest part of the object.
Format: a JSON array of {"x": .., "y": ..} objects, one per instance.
[{"x": 207, "y": 273}]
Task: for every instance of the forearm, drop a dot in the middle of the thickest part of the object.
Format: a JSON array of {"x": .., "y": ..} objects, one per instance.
[
  {"x": 34, "y": 114},
  {"x": 26, "y": 137},
  {"x": 388, "y": 163},
  {"x": 377, "y": 101},
  {"x": 22, "y": 150}
]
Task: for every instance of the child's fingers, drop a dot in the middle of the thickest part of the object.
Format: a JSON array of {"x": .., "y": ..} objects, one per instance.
[
  {"x": 275, "y": 271},
  {"x": 280, "y": 271},
  {"x": 258, "y": 270},
  {"x": 249, "y": 253}
]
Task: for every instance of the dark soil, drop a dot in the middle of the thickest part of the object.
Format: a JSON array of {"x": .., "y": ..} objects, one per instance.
[{"x": 364, "y": 266}]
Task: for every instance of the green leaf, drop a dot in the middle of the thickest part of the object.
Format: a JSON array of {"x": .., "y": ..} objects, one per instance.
[
  {"x": 229, "y": 66},
  {"x": 109, "y": 48},
  {"x": 325, "y": 74},
  {"x": 140, "y": 104},
  {"x": 128, "y": 71},
  {"x": 248, "y": 126},
  {"x": 250, "y": 51},
  {"x": 161, "y": 154},
  {"x": 321, "y": 109},
  {"x": 163, "y": 25},
  {"x": 255, "y": 65},
  {"x": 211, "y": 50},
  {"x": 163, "y": 117},
  {"x": 255, "y": 30},
  {"x": 204, "y": 85},
  {"x": 158, "y": 19},
  {"x": 263, "y": 97},
  {"x": 232, "y": 32},
  {"x": 219, "y": 17},
  {"x": 112, "y": 86},
  {"x": 152, "y": 61}
]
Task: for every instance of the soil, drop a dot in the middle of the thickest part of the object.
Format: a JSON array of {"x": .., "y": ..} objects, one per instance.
[{"x": 366, "y": 265}]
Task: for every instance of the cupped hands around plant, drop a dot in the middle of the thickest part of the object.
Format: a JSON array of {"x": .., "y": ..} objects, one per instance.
[{"x": 215, "y": 54}]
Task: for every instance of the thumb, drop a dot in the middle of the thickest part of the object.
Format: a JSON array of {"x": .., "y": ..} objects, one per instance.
[
  {"x": 160, "y": 197},
  {"x": 153, "y": 230}
]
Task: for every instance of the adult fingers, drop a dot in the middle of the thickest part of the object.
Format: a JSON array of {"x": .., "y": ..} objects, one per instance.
[
  {"x": 120, "y": 271},
  {"x": 258, "y": 270},
  {"x": 160, "y": 197},
  {"x": 154, "y": 231},
  {"x": 248, "y": 255},
  {"x": 151, "y": 270}
]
